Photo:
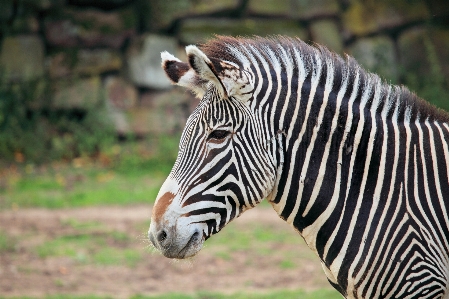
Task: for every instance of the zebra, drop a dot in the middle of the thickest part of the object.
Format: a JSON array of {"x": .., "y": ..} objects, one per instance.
[{"x": 358, "y": 167}]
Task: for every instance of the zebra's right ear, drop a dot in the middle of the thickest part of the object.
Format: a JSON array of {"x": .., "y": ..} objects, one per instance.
[{"x": 180, "y": 73}]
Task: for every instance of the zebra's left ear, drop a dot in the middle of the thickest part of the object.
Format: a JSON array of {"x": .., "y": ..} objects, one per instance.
[
  {"x": 204, "y": 68},
  {"x": 227, "y": 77}
]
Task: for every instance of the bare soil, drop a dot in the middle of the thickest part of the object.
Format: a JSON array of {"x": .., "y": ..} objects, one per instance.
[{"x": 24, "y": 273}]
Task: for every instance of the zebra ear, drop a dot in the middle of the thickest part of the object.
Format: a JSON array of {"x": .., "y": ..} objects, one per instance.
[
  {"x": 204, "y": 68},
  {"x": 180, "y": 73},
  {"x": 228, "y": 77}
]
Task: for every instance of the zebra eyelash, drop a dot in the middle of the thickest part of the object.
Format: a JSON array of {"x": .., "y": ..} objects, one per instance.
[{"x": 218, "y": 134}]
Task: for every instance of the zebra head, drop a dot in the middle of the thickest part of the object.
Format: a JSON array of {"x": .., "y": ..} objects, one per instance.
[{"x": 225, "y": 163}]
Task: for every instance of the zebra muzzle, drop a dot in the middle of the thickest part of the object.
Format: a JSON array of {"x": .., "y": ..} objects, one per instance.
[{"x": 173, "y": 244}]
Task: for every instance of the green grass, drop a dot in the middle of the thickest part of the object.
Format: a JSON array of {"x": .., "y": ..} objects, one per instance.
[
  {"x": 88, "y": 248},
  {"x": 126, "y": 174},
  {"x": 259, "y": 239},
  {"x": 284, "y": 294},
  {"x": 7, "y": 243},
  {"x": 45, "y": 191},
  {"x": 254, "y": 236},
  {"x": 81, "y": 225},
  {"x": 110, "y": 256}
]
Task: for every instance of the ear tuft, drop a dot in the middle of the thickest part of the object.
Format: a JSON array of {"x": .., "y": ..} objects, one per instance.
[
  {"x": 173, "y": 67},
  {"x": 167, "y": 56}
]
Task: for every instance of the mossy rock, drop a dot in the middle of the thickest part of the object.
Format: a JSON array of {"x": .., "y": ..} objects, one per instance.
[
  {"x": 416, "y": 61},
  {"x": 364, "y": 17},
  {"x": 326, "y": 32},
  {"x": 90, "y": 28},
  {"x": 16, "y": 59},
  {"x": 144, "y": 60},
  {"x": 6, "y": 10},
  {"x": 440, "y": 38},
  {"x": 304, "y": 9},
  {"x": 269, "y": 7},
  {"x": 194, "y": 31},
  {"x": 76, "y": 62},
  {"x": 425, "y": 68},
  {"x": 160, "y": 112},
  {"x": 439, "y": 8},
  {"x": 161, "y": 13},
  {"x": 377, "y": 55},
  {"x": 77, "y": 94}
]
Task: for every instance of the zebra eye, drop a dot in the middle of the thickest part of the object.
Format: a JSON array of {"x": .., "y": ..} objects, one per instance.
[{"x": 218, "y": 134}]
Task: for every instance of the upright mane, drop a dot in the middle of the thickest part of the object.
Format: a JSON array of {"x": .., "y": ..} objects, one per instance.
[{"x": 234, "y": 50}]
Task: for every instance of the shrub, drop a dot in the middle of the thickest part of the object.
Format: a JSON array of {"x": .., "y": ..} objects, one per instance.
[{"x": 32, "y": 130}]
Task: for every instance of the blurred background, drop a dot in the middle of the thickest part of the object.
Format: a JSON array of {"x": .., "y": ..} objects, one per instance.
[{"x": 89, "y": 128}]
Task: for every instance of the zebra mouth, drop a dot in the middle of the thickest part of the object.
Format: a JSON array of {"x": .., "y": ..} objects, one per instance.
[{"x": 192, "y": 247}]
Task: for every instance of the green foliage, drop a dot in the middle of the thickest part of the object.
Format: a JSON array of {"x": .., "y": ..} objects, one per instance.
[
  {"x": 32, "y": 130},
  {"x": 433, "y": 87}
]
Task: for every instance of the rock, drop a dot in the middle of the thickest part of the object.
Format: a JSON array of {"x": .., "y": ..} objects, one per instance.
[
  {"x": 43, "y": 5},
  {"x": 308, "y": 9},
  {"x": 424, "y": 54},
  {"x": 119, "y": 93},
  {"x": 161, "y": 112},
  {"x": 6, "y": 10},
  {"x": 95, "y": 62},
  {"x": 26, "y": 24},
  {"x": 118, "y": 119},
  {"x": 326, "y": 33},
  {"x": 377, "y": 55},
  {"x": 439, "y": 8},
  {"x": 22, "y": 57},
  {"x": 160, "y": 14},
  {"x": 364, "y": 17},
  {"x": 83, "y": 62},
  {"x": 90, "y": 28},
  {"x": 63, "y": 33},
  {"x": 194, "y": 31},
  {"x": 144, "y": 60},
  {"x": 77, "y": 94},
  {"x": 416, "y": 61},
  {"x": 102, "y": 4},
  {"x": 429, "y": 56},
  {"x": 60, "y": 64},
  {"x": 304, "y": 9},
  {"x": 121, "y": 96},
  {"x": 440, "y": 39},
  {"x": 272, "y": 8}
]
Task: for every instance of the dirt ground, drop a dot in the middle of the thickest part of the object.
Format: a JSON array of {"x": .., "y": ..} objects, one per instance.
[{"x": 24, "y": 273}]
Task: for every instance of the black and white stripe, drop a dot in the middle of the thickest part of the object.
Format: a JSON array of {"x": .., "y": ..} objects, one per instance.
[{"x": 360, "y": 168}]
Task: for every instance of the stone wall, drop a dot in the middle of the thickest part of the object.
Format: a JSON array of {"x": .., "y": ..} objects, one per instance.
[{"x": 89, "y": 51}]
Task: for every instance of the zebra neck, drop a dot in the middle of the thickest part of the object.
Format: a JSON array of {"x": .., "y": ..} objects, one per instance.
[{"x": 328, "y": 132}]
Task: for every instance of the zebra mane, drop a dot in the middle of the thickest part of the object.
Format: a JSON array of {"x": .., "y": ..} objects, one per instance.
[{"x": 236, "y": 50}]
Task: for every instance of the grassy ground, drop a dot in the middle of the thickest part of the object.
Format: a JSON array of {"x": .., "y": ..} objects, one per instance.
[
  {"x": 129, "y": 174},
  {"x": 126, "y": 174},
  {"x": 320, "y": 294}
]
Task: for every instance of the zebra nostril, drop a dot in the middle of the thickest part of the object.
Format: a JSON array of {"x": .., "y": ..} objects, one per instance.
[{"x": 161, "y": 236}]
